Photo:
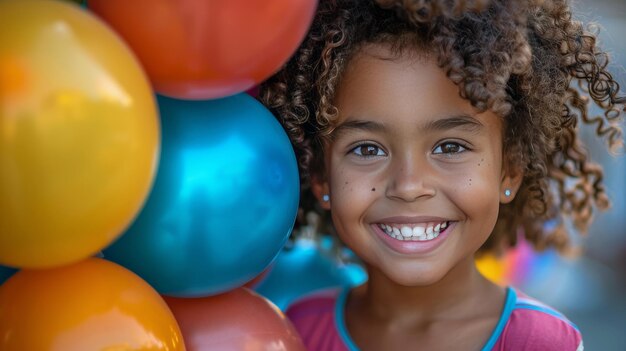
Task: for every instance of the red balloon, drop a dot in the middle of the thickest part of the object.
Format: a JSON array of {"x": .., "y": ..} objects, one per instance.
[
  {"x": 211, "y": 48},
  {"x": 237, "y": 320}
]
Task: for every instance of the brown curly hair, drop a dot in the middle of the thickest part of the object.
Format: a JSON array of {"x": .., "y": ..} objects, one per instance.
[{"x": 519, "y": 59}]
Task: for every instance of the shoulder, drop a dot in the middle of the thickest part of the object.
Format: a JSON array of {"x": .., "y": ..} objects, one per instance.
[
  {"x": 533, "y": 325},
  {"x": 313, "y": 316},
  {"x": 318, "y": 303}
]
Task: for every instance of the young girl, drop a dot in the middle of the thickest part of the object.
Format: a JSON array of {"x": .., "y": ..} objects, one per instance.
[{"x": 433, "y": 130}]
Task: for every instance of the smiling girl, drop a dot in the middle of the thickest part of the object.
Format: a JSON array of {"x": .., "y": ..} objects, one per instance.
[{"x": 433, "y": 130}]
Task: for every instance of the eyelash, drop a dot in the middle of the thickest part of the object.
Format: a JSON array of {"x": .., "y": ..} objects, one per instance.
[
  {"x": 353, "y": 151},
  {"x": 461, "y": 146}
]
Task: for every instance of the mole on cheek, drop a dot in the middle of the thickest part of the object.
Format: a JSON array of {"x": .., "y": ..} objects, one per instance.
[{"x": 373, "y": 189}]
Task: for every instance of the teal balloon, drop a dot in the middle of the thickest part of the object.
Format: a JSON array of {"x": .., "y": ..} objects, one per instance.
[
  {"x": 223, "y": 203},
  {"x": 306, "y": 267}
]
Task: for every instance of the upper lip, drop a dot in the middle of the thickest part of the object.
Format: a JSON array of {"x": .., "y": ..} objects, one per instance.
[{"x": 412, "y": 219}]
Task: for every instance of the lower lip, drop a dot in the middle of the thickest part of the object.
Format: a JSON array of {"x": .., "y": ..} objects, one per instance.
[{"x": 409, "y": 247}]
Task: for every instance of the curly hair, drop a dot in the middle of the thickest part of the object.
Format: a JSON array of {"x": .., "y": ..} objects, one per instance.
[{"x": 519, "y": 59}]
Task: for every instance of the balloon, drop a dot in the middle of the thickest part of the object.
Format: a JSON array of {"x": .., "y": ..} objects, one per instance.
[
  {"x": 237, "y": 320},
  {"x": 224, "y": 201},
  {"x": 212, "y": 48},
  {"x": 79, "y": 134},
  {"x": 256, "y": 281},
  {"x": 304, "y": 268},
  {"x": 492, "y": 268},
  {"x": 90, "y": 305},
  {"x": 519, "y": 266}
]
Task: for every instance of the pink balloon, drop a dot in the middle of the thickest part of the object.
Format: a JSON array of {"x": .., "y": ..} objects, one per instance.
[{"x": 236, "y": 320}]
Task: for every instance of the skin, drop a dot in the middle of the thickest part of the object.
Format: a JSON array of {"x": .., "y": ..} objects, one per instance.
[{"x": 406, "y": 144}]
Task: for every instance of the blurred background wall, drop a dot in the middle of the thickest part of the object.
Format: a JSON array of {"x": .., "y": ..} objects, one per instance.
[{"x": 591, "y": 290}]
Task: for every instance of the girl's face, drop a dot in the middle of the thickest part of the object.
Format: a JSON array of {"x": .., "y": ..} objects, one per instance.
[{"x": 415, "y": 175}]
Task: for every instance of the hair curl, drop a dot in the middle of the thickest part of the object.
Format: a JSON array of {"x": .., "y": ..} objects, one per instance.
[{"x": 516, "y": 58}]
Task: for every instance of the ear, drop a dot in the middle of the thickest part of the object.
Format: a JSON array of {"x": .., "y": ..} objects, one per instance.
[
  {"x": 511, "y": 180},
  {"x": 320, "y": 188}
]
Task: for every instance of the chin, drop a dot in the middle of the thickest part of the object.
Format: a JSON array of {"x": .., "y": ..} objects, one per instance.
[{"x": 413, "y": 278}]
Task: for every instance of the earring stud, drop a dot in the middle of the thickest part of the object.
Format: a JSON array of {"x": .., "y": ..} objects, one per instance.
[
  {"x": 507, "y": 192},
  {"x": 325, "y": 197}
]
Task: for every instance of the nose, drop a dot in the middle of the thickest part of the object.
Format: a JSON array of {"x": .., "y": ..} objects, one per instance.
[{"x": 410, "y": 179}]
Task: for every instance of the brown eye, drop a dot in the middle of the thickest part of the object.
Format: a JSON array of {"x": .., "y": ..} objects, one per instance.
[
  {"x": 449, "y": 148},
  {"x": 368, "y": 150}
]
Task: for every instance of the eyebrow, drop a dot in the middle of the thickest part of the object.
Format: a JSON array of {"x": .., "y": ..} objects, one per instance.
[
  {"x": 463, "y": 121},
  {"x": 357, "y": 125}
]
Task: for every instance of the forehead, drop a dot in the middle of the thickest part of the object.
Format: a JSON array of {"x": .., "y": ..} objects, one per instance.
[{"x": 404, "y": 86}]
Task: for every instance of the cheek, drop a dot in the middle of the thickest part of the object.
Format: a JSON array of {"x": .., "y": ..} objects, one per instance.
[
  {"x": 476, "y": 190},
  {"x": 351, "y": 190}
]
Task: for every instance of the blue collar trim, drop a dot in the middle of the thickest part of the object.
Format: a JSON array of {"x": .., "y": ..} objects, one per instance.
[{"x": 509, "y": 305}]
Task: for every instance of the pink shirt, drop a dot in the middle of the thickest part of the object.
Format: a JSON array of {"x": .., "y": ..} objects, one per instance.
[{"x": 525, "y": 324}]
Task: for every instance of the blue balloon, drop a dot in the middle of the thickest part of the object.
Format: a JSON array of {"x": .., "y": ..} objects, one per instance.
[
  {"x": 305, "y": 268},
  {"x": 224, "y": 200}
]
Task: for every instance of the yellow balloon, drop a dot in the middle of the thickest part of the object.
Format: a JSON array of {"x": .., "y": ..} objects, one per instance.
[
  {"x": 492, "y": 268},
  {"x": 79, "y": 134},
  {"x": 90, "y": 305}
]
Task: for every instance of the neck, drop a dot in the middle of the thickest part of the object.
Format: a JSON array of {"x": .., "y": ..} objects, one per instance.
[{"x": 386, "y": 300}]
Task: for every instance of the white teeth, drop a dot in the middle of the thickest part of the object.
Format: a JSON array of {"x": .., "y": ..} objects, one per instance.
[
  {"x": 418, "y": 231},
  {"x": 406, "y": 232},
  {"x": 429, "y": 231}
]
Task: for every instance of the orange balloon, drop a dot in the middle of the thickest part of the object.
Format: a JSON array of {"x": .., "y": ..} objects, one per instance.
[
  {"x": 79, "y": 134},
  {"x": 90, "y": 305},
  {"x": 211, "y": 48},
  {"x": 237, "y": 320}
]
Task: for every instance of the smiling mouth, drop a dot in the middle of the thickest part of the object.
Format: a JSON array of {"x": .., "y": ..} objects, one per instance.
[{"x": 414, "y": 232}]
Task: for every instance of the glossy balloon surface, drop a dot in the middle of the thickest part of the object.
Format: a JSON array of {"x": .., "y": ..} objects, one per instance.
[
  {"x": 224, "y": 200},
  {"x": 211, "y": 48},
  {"x": 234, "y": 321},
  {"x": 79, "y": 134},
  {"x": 90, "y": 305}
]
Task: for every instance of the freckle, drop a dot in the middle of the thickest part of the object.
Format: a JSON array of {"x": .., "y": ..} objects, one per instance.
[
  {"x": 373, "y": 189},
  {"x": 346, "y": 183}
]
